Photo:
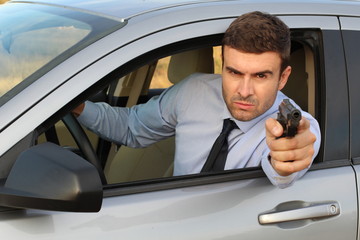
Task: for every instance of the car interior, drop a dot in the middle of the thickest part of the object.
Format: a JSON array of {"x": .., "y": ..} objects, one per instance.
[{"x": 129, "y": 164}]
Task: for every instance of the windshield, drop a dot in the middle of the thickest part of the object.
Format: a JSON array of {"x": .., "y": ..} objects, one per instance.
[{"x": 36, "y": 38}]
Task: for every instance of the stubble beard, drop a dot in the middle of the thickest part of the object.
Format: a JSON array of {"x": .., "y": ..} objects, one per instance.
[{"x": 244, "y": 115}]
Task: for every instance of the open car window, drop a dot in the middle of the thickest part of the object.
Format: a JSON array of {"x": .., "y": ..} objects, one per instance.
[{"x": 156, "y": 161}]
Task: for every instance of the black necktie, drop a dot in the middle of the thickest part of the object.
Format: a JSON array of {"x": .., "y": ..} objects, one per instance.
[{"x": 218, "y": 153}]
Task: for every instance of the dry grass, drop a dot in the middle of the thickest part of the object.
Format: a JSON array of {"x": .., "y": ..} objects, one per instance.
[{"x": 21, "y": 57}]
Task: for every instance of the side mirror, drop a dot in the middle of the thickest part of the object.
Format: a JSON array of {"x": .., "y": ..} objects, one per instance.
[{"x": 49, "y": 177}]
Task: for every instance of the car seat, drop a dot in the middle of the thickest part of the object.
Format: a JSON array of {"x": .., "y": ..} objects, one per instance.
[{"x": 156, "y": 161}]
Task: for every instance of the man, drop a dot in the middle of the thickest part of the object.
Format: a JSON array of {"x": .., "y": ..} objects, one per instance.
[{"x": 256, "y": 52}]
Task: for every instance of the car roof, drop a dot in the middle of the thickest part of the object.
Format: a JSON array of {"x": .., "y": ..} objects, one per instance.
[{"x": 125, "y": 9}]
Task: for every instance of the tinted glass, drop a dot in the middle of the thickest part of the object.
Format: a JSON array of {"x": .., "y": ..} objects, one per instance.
[{"x": 36, "y": 38}]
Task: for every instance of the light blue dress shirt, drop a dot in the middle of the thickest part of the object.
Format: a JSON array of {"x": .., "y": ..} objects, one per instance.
[{"x": 193, "y": 110}]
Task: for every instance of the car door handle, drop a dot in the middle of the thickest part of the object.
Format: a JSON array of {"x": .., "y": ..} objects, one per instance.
[{"x": 309, "y": 211}]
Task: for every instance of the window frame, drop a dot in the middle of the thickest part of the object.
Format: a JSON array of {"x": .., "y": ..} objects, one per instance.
[{"x": 193, "y": 179}]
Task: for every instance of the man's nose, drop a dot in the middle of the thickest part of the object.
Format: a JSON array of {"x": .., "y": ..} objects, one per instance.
[{"x": 245, "y": 87}]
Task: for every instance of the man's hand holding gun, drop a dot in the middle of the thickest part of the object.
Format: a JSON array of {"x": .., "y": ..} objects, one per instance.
[{"x": 290, "y": 140}]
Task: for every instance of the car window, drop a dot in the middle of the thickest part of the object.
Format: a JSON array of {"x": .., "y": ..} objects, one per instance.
[
  {"x": 45, "y": 37},
  {"x": 24, "y": 45},
  {"x": 126, "y": 164}
]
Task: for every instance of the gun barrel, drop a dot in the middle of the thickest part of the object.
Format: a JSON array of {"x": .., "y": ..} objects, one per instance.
[
  {"x": 289, "y": 117},
  {"x": 287, "y": 109},
  {"x": 295, "y": 114}
]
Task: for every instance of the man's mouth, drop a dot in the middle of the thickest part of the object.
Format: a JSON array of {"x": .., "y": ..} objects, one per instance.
[{"x": 244, "y": 105}]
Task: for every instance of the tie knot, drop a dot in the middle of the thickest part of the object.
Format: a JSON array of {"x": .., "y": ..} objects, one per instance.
[{"x": 228, "y": 126}]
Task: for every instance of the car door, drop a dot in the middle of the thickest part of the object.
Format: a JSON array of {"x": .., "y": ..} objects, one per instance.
[{"x": 231, "y": 205}]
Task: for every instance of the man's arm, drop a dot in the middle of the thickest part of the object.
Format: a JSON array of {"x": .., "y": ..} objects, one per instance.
[{"x": 138, "y": 126}]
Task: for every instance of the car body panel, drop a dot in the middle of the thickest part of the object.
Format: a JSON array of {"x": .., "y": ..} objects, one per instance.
[
  {"x": 123, "y": 9},
  {"x": 225, "y": 210}
]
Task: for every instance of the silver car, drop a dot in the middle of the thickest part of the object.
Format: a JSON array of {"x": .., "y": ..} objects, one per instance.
[{"x": 59, "y": 181}]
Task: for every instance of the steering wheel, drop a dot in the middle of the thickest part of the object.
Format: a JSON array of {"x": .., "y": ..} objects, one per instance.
[{"x": 83, "y": 143}]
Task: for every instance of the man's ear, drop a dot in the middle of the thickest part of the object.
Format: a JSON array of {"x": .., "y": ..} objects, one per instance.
[{"x": 284, "y": 77}]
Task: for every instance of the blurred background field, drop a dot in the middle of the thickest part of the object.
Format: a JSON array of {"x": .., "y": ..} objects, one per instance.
[{"x": 2, "y": 1}]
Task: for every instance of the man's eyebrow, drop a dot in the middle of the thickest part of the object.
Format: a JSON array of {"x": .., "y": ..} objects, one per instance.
[
  {"x": 265, "y": 72},
  {"x": 257, "y": 73},
  {"x": 233, "y": 70}
]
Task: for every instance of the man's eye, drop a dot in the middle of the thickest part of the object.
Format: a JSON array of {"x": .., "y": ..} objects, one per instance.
[
  {"x": 232, "y": 72},
  {"x": 261, "y": 75}
]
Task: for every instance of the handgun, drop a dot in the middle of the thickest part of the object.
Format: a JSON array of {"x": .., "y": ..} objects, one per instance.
[{"x": 289, "y": 117}]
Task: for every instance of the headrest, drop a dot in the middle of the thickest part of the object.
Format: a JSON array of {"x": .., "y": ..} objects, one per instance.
[{"x": 183, "y": 64}]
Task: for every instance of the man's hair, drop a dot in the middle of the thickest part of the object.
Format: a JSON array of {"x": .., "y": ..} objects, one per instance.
[{"x": 258, "y": 32}]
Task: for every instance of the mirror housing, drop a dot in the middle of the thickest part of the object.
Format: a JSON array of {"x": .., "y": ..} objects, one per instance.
[{"x": 49, "y": 177}]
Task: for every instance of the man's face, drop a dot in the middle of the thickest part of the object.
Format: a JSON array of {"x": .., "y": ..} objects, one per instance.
[{"x": 251, "y": 81}]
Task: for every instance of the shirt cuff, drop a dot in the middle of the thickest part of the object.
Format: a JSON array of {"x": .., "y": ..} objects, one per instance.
[
  {"x": 274, "y": 177},
  {"x": 88, "y": 115}
]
